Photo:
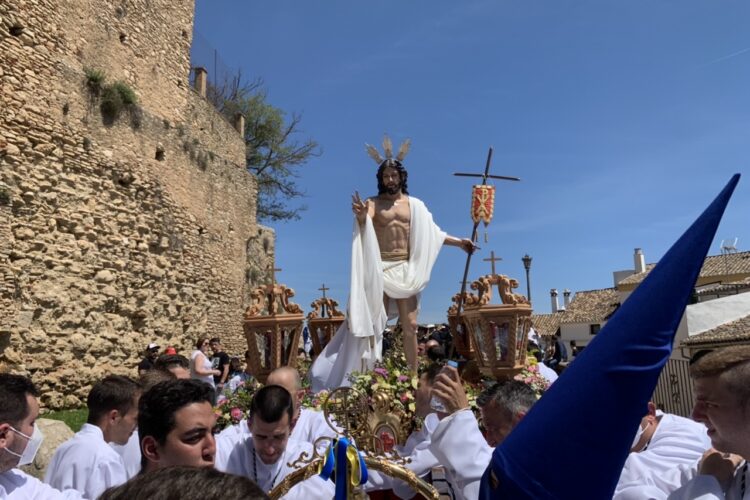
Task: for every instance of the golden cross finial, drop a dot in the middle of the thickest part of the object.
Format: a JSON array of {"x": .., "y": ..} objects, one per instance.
[{"x": 323, "y": 288}]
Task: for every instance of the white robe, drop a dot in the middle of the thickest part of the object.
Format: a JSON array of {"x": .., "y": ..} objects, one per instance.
[
  {"x": 460, "y": 447},
  {"x": 239, "y": 460},
  {"x": 704, "y": 487},
  {"x": 310, "y": 426},
  {"x": 358, "y": 341},
  {"x": 86, "y": 463},
  {"x": 676, "y": 441},
  {"x": 130, "y": 453},
  {"x": 17, "y": 485},
  {"x": 417, "y": 449}
]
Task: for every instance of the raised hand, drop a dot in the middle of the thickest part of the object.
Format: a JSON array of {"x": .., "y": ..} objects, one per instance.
[{"x": 359, "y": 207}]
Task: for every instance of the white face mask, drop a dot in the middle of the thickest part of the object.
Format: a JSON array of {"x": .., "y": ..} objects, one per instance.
[
  {"x": 638, "y": 434},
  {"x": 32, "y": 446}
]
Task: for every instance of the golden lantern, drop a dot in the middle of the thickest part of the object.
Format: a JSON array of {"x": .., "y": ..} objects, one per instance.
[
  {"x": 272, "y": 326},
  {"x": 322, "y": 322}
]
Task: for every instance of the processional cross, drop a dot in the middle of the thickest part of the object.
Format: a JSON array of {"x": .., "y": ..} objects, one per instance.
[
  {"x": 486, "y": 175},
  {"x": 323, "y": 288},
  {"x": 492, "y": 260}
]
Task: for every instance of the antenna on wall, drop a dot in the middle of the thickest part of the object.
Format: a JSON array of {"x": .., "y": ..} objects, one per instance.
[{"x": 729, "y": 246}]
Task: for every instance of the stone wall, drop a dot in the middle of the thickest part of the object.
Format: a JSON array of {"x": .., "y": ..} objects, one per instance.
[{"x": 115, "y": 233}]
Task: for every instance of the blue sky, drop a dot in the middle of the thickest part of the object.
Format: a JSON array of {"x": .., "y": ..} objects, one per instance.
[{"x": 623, "y": 119}]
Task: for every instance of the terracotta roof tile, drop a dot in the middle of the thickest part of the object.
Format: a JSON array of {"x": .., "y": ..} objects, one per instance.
[
  {"x": 546, "y": 325},
  {"x": 714, "y": 265},
  {"x": 735, "y": 331},
  {"x": 592, "y": 306}
]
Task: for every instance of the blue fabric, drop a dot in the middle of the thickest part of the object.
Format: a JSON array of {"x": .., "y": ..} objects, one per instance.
[{"x": 591, "y": 412}]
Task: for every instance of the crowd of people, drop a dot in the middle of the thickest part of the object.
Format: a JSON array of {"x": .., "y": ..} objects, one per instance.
[{"x": 156, "y": 435}]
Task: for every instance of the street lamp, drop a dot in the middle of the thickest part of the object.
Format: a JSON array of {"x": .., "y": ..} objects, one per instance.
[{"x": 527, "y": 265}]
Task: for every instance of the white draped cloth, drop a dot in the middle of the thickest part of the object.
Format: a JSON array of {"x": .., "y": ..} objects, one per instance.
[
  {"x": 705, "y": 487},
  {"x": 17, "y": 485},
  {"x": 359, "y": 340},
  {"x": 242, "y": 460},
  {"x": 460, "y": 447},
  {"x": 677, "y": 441},
  {"x": 86, "y": 463}
]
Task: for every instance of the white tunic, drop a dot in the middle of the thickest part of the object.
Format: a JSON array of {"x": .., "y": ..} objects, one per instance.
[
  {"x": 703, "y": 487},
  {"x": 417, "y": 449},
  {"x": 86, "y": 463},
  {"x": 310, "y": 426},
  {"x": 17, "y": 485},
  {"x": 130, "y": 453},
  {"x": 676, "y": 441},
  {"x": 460, "y": 447},
  {"x": 359, "y": 339},
  {"x": 243, "y": 461}
]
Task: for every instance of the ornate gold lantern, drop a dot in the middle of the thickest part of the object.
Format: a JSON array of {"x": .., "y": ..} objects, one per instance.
[
  {"x": 499, "y": 331},
  {"x": 322, "y": 322},
  {"x": 272, "y": 327}
]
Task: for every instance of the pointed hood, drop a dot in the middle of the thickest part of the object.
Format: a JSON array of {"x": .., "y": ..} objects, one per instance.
[{"x": 591, "y": 413}]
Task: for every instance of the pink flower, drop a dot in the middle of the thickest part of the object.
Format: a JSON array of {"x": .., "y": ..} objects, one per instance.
[
  {"x": 236, "y": 414},
  {"x": 403, "y": 378},
  {"x": 404, "y": 398},
  {"x": 381, "y": 371}
]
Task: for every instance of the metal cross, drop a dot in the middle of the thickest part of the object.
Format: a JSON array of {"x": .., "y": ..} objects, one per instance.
[
  {"x": 492, "y": 260},
  {"x": 323, "y": 288},
  {"x": 486, "y": 175}
]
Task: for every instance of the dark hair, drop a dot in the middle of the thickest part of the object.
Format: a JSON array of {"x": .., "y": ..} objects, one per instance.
[
  {"x": 13, "y": 391},
  {"x": 113, "y": 392},
  {"x": 396, "y": 165},
  {"x": 432, "y": 371},
  {"x": 167, "y": 361},
  {"x": 436, "y": 353},
  {"x": 201, "y": 340},
  {"x": 158, "y": 405},
  {"x": 512, "y": 396},
  {"x": 215, "y": 340},
  {"x": 186, "y": 483},
  {"x": 152, "y": 377},
  {"x": 270, "y": 403},
  {"x": 235, "y": 365}
]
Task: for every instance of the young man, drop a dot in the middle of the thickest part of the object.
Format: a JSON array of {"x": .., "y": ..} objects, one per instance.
[
  {"x": 264, "y": 456},
  {"x": 722, "y": 403},
  {"x": 86, "y": 462},
  {"x": 19, "y": 441},
  {"x": 663, "y": 442},
  {"x": 175, "y": 423},
  {"x": 219, "y": 361}
]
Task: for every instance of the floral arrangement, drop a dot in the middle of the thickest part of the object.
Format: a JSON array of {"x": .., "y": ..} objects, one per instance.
[
  {"x": 234, "y": 407},
  {"x": 531, "y": 376}
]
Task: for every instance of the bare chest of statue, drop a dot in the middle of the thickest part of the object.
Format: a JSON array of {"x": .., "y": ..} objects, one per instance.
[{"x": 391, "y": 220}]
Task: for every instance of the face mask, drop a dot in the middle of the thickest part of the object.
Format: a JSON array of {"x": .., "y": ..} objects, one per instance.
[
  {"x": 638, "y": 435},
  {"x": 32, "y": 446}
]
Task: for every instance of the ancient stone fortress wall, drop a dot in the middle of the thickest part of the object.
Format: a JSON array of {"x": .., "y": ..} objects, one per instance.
[{"x": 115, "y": 233}]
